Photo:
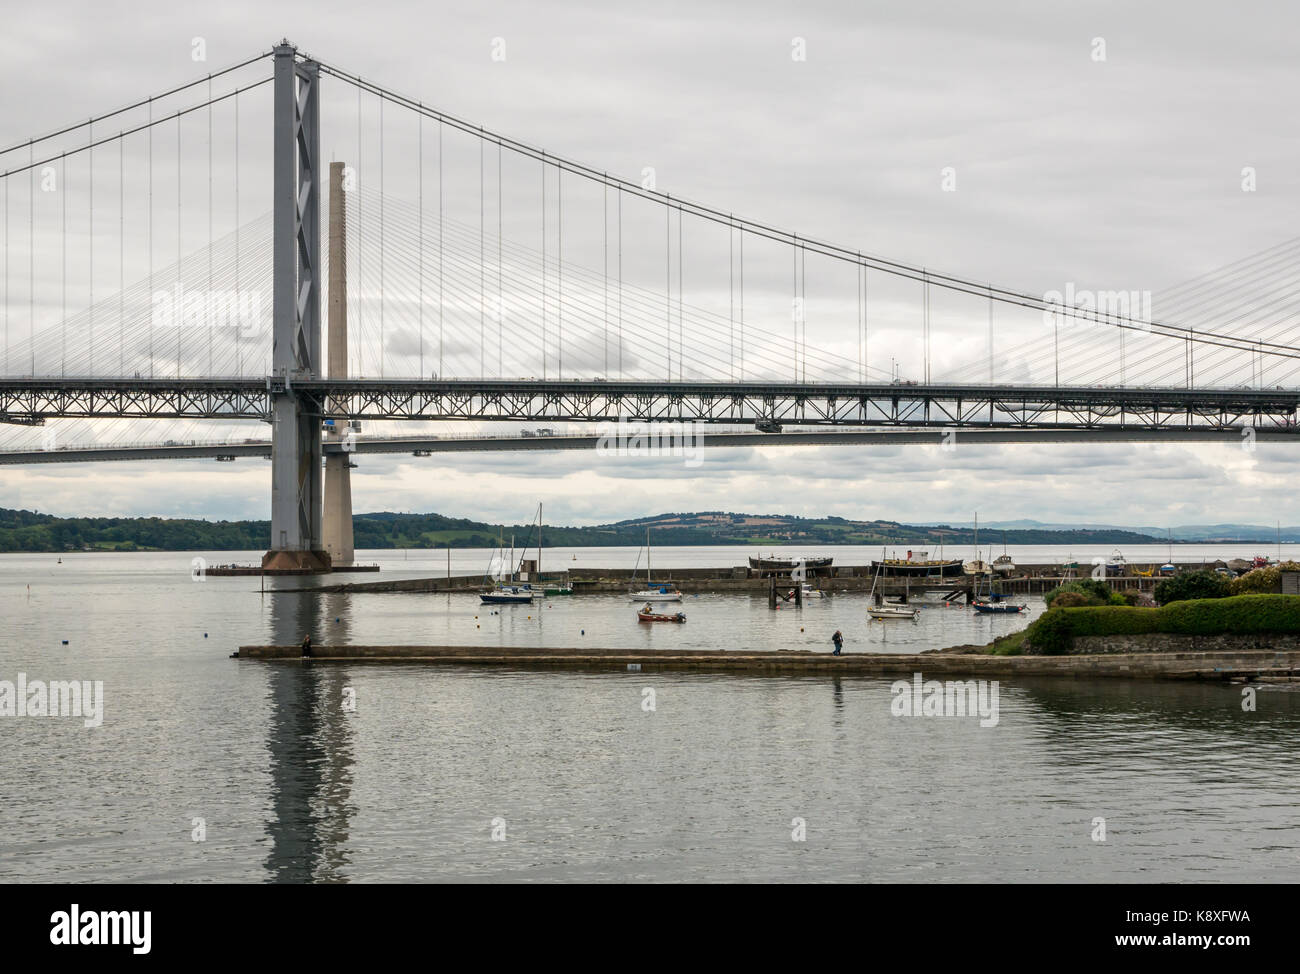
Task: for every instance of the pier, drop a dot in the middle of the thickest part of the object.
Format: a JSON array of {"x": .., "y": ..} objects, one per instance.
[
  {"x": 740, "y": 579},
  {"x": 1261, "y": 665}
]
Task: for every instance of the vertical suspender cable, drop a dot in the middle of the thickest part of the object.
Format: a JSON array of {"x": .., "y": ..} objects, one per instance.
[
  {"x": 419, "y": 193},
  {"x": 440, "y": 294},
  {"x": 361, "y": 266},
  {"x": 381, "y": 236},
  {"x": 31, "y": 255},
  {"x": 543, "y": 265},
  {"x": 803, "y": 313},
  {"x": 482, "y": 293},
  {"x": 90, "y": 230},
  {"x": 990, "y": 334},
  {"x": 681, "y": 322},
  {"x": 668, "y": 285},
  {"x": 620, "y": 283},
  {"x": 151, "y": 234},
  {"x": 6, "y": 275},
  {"x": 501, "y": 296},
  {"x": 604, "y": 269},
  {"x": 741, "y": 269},
  {"x": 179, "y": 259},
  {"x": 239, "y": 333},
  {"x": 209, "y": 299},
  {"x": 63, "y": 214},
  {"x": 121, "y": 255},
  {"x": 559, "y": 272},
  {"x": 731, "y": 299}
]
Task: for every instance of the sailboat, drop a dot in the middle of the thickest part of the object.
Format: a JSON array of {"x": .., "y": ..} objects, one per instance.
[
  {"x": 978, "y": 566},
  {"x": 890, "y": 610},
  {"x": 666, "y": 592},
  {"x": 501, "y": 593}
]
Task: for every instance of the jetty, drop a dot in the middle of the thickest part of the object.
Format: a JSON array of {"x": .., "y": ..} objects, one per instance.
[{"x": 1249, "y": 666}]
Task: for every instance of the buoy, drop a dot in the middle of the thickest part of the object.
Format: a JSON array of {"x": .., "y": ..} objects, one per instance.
[{"x": 478, "y": 627}]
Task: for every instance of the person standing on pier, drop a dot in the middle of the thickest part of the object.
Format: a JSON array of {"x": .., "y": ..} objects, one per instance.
[
  {"x": 838, "y": 640},
  {"x": 306, "y": 646}
]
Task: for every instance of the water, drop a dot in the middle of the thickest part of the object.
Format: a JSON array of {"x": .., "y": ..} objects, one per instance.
[{"x": 587, "y": 784}]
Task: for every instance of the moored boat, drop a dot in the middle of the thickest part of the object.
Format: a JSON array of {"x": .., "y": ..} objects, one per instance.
[
  {"x": 786, "y": 565},
  {"x": 647, "y": 614},
  {"x": 918, "y": 564},
  {"x": 508, "y": 595},
  {"x": 660, "y": 593},
  {"x": 999, "y": 608},
  {"x": 894, "y": 612}
]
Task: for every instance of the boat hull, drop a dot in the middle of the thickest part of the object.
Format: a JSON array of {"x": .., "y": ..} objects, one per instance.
[
  {"x": 892, "y": 613},
  {"x": 1001, "y": 608},
  {"x": 655, "y": 597},
  {"x": 659, "y": 617},
  {"x": 917, "y": 569}
]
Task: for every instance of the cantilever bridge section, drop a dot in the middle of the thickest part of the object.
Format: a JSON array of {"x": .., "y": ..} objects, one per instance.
[{"x": 769, "y": 405}]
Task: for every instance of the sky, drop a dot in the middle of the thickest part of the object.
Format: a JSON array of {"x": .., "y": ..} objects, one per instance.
[{"x": 1106, "y": 145}]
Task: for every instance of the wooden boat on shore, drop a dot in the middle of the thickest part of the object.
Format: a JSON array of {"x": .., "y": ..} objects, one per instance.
[
  {"x": 647, "y": 614},
  {"x": 918, "y": 564},
  {"x": 789, "y": 564}
]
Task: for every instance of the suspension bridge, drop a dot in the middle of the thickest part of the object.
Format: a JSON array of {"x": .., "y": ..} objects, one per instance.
[{"x": 166, "y": 262}]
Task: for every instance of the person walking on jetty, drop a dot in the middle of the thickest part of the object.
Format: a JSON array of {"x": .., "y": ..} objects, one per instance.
[
  {"x": 306, "y": 646},
  {"x": 838, "y": 640}
]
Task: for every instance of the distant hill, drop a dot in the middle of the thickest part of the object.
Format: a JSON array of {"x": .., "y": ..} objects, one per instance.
[
  {"x": 31, "y": 531},
  {"x": 1180, "y": 532}
]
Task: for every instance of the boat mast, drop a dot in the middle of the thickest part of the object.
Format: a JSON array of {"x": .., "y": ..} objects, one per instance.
[
  {"x": 539, "y": 542},
  {"x": 647, "y": 556}
]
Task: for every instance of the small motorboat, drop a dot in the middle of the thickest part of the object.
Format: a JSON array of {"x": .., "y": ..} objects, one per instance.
[
  {"x": 647, "y": 614},
  {"x": 999, "y": 608},
  {"x": 807, "y": 592},
  {"x": 894, "y": 612},
  {"x": 1003, "y": 564}
]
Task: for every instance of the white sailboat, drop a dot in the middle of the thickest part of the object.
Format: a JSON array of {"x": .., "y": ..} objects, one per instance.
[
  {"x": 889, "y": 610},
  {"x": 666, "y": 592}
]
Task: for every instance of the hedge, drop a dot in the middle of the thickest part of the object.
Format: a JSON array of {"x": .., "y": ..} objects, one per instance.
[{"x": 1053, "y": 632}]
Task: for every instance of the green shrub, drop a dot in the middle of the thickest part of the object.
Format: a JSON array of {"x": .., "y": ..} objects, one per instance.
[
  {"x": 1092, "y": 591},
  {"x": 1192, "y": 585},
  {"x": 1262, "y": 580},
  {"x": 1069, "y": 600},
  {"x": 1053, "y": 632}
]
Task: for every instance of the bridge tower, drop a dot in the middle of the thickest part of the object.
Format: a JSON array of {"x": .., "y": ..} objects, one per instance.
[
  {"x": 338, "y": 466},
  {"x": 296, "y": 542}
]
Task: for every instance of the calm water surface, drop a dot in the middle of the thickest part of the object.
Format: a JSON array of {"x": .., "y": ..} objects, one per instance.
[{"x": 586, "y": 783}]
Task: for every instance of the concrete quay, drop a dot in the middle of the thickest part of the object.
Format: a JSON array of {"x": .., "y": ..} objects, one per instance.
[{"x": 1263, "y": 665}]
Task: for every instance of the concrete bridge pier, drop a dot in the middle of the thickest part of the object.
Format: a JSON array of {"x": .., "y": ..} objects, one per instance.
[
  {"x": 337, "y": 526},
  {"x": 296, "y": 543}
]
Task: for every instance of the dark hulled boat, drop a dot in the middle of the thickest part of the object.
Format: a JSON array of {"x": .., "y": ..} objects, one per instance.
[
  {"x": 918, "y": 564},
  {"x": 788, "y": 564}
]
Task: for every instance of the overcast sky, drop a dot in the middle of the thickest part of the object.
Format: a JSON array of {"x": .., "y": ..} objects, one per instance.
[{"x": 1123, "y": 171}]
